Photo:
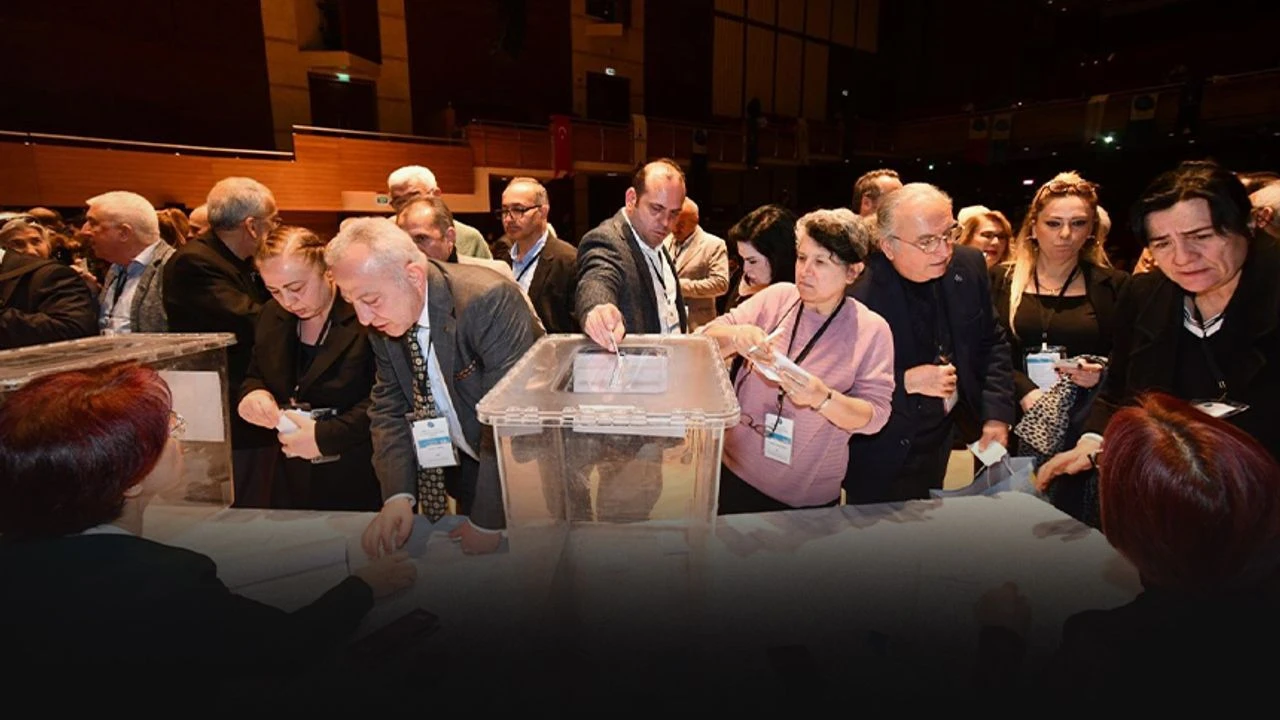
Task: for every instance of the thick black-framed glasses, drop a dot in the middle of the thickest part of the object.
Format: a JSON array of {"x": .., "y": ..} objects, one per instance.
[{"x": 517, "y": 211}]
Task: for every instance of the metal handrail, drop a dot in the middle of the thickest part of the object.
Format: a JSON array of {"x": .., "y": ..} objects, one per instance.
[
  {"x": 35, "y": 137},
  {"x": 360, "y": 134}
]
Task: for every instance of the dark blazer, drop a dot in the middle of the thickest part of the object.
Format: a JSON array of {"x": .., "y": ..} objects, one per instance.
[
  {"x": 208, "y": 289},
  {"x": 1149, "y": 326},
  {"x": 480, "y": 326},
  {"x": 146, "y": 313},
  {"x": 1101, "y": 285},
  {"x": 42, "y": 301},
  {"x": 553, "y": 284},
  {"x": 119, "y": 601},
  {"x": 984, "y": 373},
  {"x": 611, "y": 269},
  {"x": 340, "y": 377}
]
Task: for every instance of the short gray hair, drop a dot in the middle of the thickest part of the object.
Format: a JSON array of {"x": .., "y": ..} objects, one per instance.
[
  {"x": 390, "y": 248},
  {"x": 234, "y": 199},
  {"x": 441, "y": 216},
  {"x": 839, "y": 231},
  {"x": 128, "y": 208},
  {"x": 890, "y": 202},
  {"x": 1268, "y": 197},
  {"x": 415, "y": 174},
  {"x": 539, "y": 190}
]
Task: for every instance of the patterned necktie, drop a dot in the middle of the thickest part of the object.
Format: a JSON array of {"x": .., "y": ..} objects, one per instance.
[{"x": 432, "y": 499}]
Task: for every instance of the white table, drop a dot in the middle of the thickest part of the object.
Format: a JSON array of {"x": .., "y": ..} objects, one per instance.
[{"x": 855, "y": 587}]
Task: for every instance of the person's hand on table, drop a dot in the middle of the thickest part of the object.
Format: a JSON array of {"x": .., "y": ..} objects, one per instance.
[
  {"x": 390, "y": 529},
  {"x": 1069, "y": 462},
  {"x": 475, "y": 542},
  {"x": 388, "y": 574}
]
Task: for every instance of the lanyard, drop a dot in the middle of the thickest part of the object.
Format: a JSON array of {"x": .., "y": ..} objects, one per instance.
[
  {"x": 117, "y": 289},
  {"x": 528, "y": 263},
  {"x": 941, "y": 317},
  {"x": 1208, "y": 352},
  {"x": 1045, "y": 320},
  {"x": 804, "y": 351},
  {"x": 299, "y": 371}
]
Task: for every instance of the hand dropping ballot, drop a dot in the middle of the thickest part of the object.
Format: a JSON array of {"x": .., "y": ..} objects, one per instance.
[{"x": 642, "y": 370}]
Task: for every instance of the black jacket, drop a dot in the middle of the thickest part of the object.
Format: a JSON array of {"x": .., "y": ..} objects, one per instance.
[
  {"x": 553, "y": 286},
  {"x": 42, "y": 301},
  {"x": 340, "y": 378},
  {"x": 981, "y": 357}
]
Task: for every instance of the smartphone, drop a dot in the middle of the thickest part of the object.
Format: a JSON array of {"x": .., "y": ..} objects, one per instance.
[{"x": 398, "y": 636}]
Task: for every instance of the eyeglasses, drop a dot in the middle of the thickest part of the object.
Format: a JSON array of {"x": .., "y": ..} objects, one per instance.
[
  {"x": 515, "y": 211},
  {"x": 759, "y": 428},
  {"x": 177, "y": 425},
  {"x": 1075, "y": 188},
  {"x": 930, "y": 244}
]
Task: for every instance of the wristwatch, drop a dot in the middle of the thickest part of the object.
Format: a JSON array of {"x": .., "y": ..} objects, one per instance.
[{"x": 823, "y": 404}]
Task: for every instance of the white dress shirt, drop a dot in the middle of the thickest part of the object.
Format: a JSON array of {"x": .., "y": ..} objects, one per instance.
[
  {"x": 664, "y": 279},
  {"x": 524, "y": 268},
  {"x": 117, "y": 316}
]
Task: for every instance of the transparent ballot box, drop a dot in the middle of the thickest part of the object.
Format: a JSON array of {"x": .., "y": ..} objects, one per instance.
[
  {"x": 588, "y": 438},
  {"x": 195, "y": 368}
]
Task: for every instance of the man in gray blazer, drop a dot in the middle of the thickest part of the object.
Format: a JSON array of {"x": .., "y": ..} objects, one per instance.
[
  {"x": 462, "y": 327},
  {"x": 626, "y": 280},
  {"x": 123, "y": 230},
  {"x": 702, "y": 264}
]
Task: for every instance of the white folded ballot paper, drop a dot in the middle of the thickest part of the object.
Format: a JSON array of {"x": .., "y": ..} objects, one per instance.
[{"x": 631, "y": 370}]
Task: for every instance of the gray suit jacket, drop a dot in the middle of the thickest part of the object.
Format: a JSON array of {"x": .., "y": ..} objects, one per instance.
[
  {"x": 470, "y": 242},
  {"x": 480, "y": 326},
  {"x": 146, "y": 314},
  {"x": 611, "y": 269},
  {"x": 703, "y": 268}
]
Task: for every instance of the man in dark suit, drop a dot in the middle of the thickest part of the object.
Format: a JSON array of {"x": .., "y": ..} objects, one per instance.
[
  {"x": 210, "y": 285},
  {"x": 626, "y": 280},
  {"x": 952, "y": 367},
  {"x": 42, "y": 301},
  {"x": 123, "y": 229},
  {"x": 446, "y": 334},
  {"x": 545, "y": 266}
]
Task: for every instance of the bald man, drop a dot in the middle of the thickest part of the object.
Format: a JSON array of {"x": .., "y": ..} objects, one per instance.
[{"x": 702, "y": 265}]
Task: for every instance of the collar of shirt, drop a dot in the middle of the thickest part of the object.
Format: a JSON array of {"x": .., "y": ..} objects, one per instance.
[
  {"x": 654, "y": 254},
  {"x": 424, "y": 319},
  {"x": 106, "y": 529},
  {"x": 679, "y": 246},
  {"x": 529, "y": 254},
  {"x": 143, "y": 258}
]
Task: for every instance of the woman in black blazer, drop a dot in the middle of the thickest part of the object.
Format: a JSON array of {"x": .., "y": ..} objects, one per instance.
[
  {"x": 89, "y": 600},
  {"x": 311, "y": 357}
]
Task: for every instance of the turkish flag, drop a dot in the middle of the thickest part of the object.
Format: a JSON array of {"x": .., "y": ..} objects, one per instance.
[{"x": 561, "y": 145}]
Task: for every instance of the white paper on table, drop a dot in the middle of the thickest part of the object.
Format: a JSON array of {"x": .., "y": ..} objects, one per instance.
[
  {"x": 197, "y": 397},
  {"x": 262, "y": 565}
]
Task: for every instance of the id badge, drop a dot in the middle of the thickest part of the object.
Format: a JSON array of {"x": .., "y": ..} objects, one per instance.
[
  {"x": 777, "y": 444},
  {"x": 1219, "y": 408},
  {"x": 1041, "y": 362},
  {"x": 432, "y": 442}
]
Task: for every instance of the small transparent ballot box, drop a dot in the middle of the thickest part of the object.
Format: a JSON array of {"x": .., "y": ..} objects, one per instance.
[
  {"x": 586, "y": 437},
  {"x": 195, "y": 368}
]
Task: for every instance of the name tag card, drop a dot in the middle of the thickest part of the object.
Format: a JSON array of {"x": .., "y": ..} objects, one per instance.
[
  {"x": 1041, "y": 365},
  {"x": 432, "y": 442},
  {"x": 777, "y": 444}
]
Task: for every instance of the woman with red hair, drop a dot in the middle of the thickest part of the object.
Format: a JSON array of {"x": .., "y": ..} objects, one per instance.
[
  {"x": 81, "y": 455},
  {"x": 1194, "y": 503}
]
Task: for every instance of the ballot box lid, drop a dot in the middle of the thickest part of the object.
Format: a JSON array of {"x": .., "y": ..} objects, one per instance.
[
  {"x": 19, "y": 366},
  {"x": 654, "y": 381}
]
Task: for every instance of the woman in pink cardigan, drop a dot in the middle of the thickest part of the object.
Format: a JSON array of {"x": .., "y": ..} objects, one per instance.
[{"x": 815, "y": 367}]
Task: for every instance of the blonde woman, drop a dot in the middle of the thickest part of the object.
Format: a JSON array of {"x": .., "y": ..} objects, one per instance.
[
  {"x": 1056, "y": 299},
  {"x": 987, "y": 230}
]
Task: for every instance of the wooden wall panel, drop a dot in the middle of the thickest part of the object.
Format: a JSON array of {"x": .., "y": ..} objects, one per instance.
[
  {"x": 786, "y": 88},
  {"x": 815, "y": 80},
  {"x": 763, "y": 10},
  {"x": 868, "y": 25},
  {"x": 844, "y": 19},
  {"x": 726, "y": 85},
  {"x": 760, "y": 66},
  {"x": 733, "y": 7},
  {"x": 322, "y": 168},
  {"x": 791, "y": 15},
  {"x": 818, "y": 18}
]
